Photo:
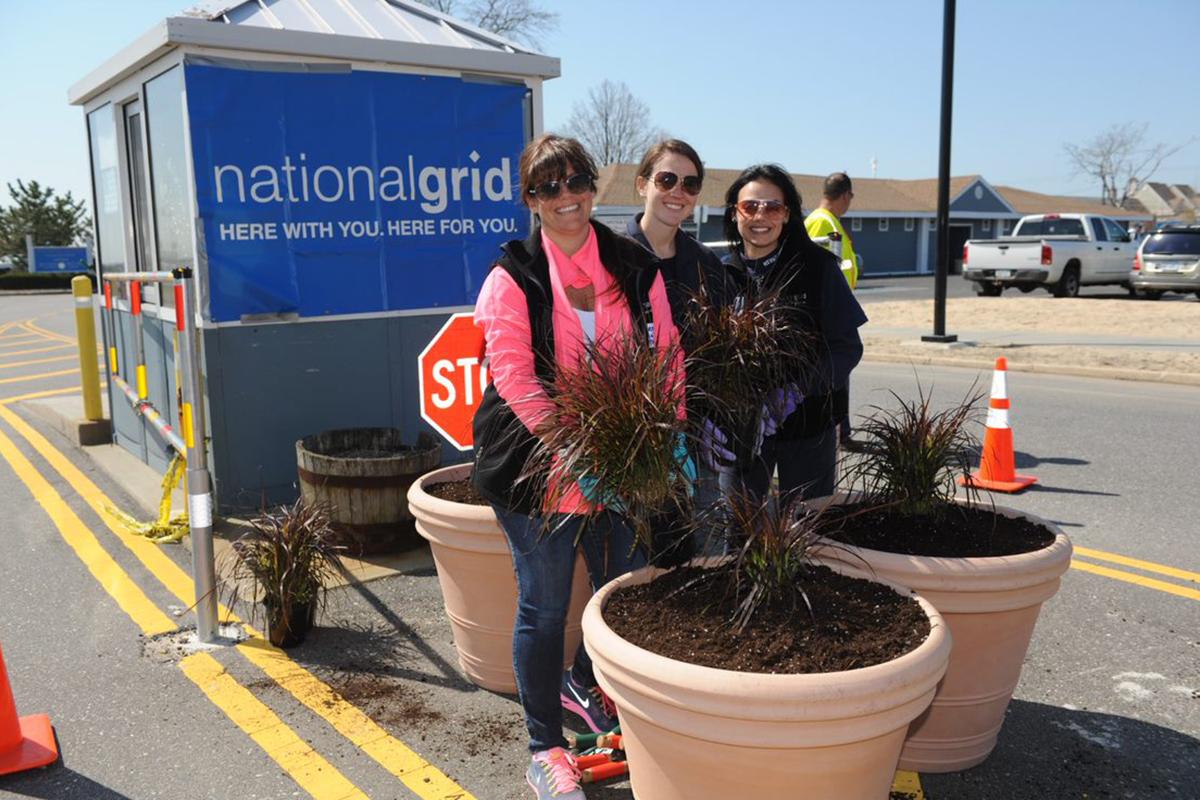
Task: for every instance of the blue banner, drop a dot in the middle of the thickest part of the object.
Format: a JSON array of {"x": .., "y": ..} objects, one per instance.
[
  {"x": 60, "y": 259},
  {"x": 351, "y": 192}
]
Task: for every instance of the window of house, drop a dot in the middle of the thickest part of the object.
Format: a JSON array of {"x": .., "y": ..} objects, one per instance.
[
  {"x": 856, "y": 223},
  {"x": 883, "y": 223},
  {"x": 909, "y": 223}
]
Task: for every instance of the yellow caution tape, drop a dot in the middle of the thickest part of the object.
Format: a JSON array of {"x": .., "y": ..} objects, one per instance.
[{"x": 166, "y": 528}]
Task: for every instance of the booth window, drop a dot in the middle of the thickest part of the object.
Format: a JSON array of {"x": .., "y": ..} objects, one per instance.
[
  {"x": 168, "y": 172},
  {"x": 106, "y": 189}
]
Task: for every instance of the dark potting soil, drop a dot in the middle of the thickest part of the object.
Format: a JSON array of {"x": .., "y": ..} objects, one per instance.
[
  {"x": 457, "y": 492},
  {"x": 854, "y": 623},
  {"x": 958, "y": 533}
]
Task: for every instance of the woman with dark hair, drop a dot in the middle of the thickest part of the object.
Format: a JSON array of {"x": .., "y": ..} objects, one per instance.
[
  {"x": 570, "y": 284},
  {"x": 770, "y": 247},
  {"x": 670, "y": 179}
]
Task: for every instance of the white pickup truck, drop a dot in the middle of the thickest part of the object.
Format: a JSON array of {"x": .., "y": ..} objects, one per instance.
[{"x": 1057, "y": 252}]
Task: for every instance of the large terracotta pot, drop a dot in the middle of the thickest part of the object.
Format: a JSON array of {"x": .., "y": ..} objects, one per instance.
[
  {"x": 991, "y": 605},
  {"x": 698, "y": 733},
  {"x": 479, "y": 587}
]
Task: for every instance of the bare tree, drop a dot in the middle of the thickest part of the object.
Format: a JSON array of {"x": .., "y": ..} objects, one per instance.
[
  {"x": 1120, "y": 158},
  {"x": 613, "y": 124},
  {"x": 516, "y": 19}
]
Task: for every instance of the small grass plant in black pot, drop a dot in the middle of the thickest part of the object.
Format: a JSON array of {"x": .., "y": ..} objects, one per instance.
[{"x": 286, "y": 562}]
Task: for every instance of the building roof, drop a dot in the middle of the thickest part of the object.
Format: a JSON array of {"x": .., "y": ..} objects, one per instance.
[
  {"x": 396, "y": 20},
  {"x": 879, "y": 195},
  {"x": 386, "y": 31}
]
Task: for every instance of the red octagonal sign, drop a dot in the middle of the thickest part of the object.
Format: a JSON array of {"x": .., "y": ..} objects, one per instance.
[{"x": 452, "y": 379}]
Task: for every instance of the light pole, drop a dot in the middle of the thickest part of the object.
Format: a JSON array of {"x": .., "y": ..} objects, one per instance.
[{"x": 943, "y": 209}]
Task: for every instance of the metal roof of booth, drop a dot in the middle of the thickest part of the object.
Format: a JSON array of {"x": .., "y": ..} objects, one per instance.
[{"x": 388, "y": 31}]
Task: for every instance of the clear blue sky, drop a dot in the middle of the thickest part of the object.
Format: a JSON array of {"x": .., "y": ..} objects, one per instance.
[{"x": 816, "y": 90}]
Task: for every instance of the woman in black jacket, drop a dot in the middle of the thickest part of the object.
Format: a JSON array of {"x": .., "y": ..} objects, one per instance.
[
  {"x": 769, "y": 246},
  {"x": 670, "y": 179}
]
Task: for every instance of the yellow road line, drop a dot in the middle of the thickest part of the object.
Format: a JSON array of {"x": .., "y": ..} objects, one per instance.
[
  {"x": 24, "y": 340},
  {"x": 36, "y": 350},
  {"x": 31, "y": 326},
  {"x": 41, "y": 375},
  {"x": 48, "y": 393},
  {"x": 306, "y": 766},
  {"x": 312, "y": 772},
  {"x": 37, "y": 361},
  {"x": 129, "y": 596},
  {"x": 908, "y": 783},
  {"x": 1129, "y": 577},
  {"x": 1149, "y": 566},
  {"x": 424, "y": 779}
]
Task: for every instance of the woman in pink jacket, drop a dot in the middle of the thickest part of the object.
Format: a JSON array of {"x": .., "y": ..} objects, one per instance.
[{"x": 570, "y": 283}]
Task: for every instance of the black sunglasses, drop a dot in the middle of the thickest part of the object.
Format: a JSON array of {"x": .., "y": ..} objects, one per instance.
[
  {"x": 666, "y": 181},
  {"x": 578, "y": 183}
]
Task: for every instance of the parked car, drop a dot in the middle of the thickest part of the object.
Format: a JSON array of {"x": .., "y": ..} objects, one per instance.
[
  {"x": 1168, "y": 260},
  {"x": 1056, "y": 252}
]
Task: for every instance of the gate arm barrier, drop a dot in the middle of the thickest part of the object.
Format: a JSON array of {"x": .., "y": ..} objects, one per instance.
[{"x": 190, "y": 440}]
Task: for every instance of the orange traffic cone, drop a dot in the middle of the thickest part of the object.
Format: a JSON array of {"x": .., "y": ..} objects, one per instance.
[
  {"x": 27, "y": 742},
  {"x": 997, "y": 466}
]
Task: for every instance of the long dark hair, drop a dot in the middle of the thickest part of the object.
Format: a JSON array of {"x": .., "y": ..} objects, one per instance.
[{"x": 772, "y": 173}]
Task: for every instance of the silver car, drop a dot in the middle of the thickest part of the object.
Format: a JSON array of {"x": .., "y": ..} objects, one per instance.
[{"x": 1167, "y": 260}]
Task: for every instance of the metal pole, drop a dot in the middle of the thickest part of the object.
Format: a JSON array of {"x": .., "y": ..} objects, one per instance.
[
  {"x": 943, "y": 211},
  {"x": 199, "y": 483},
  {"x": 85, "y": 335}
]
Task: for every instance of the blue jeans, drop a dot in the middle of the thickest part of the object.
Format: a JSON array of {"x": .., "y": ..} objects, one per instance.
[
  {"x": 807, "y": 467},
  {"x": 543, "y": 553}
]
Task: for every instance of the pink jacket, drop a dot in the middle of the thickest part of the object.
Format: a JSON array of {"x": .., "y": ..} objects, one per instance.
[{"x": 503, "y": 315}]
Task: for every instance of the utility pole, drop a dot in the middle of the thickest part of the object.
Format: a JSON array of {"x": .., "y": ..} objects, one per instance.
[{"x": 943, "y": 210}]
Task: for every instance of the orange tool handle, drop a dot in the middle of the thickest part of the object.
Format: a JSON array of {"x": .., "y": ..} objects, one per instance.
[
  {"x": 604, "y": 772},
  {"x": 593, "y": 760},
  {"x": 612, "y": 740}
]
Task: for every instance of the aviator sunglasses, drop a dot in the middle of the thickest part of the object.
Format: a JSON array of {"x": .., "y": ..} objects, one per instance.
[
  {"x": 578, "y": 183},
  {"x": 666, "y": 181},
  {"x": 769, "y": 208}
]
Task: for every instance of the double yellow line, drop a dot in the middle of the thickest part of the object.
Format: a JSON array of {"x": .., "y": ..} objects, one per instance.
[
  {"x": 1190, "y": 589},
  {"x": 312, "y": 772}
]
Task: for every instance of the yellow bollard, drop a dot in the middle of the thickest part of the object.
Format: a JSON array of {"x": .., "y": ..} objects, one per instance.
[{"x": 85, "y": 333}]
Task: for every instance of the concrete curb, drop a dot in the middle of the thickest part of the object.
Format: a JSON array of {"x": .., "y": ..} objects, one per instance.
[
  {"x": 4, "y": 292},
  {"x": 1112, "y": 373}
]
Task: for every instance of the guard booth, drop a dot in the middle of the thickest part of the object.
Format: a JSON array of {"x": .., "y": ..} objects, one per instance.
[{"x": 339, "y": 174}]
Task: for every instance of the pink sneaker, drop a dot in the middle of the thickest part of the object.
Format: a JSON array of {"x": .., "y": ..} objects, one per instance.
[{"x": 552, "y": 775}]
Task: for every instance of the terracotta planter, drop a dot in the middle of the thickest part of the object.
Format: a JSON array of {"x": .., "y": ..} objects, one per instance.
[
  {"x": 479, "y": 587},
  {"x": 698, "y": 733},
  {"x": 991, "y": 606}
]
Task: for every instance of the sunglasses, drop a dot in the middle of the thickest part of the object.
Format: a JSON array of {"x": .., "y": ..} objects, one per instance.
[
  {"x": 578, "y": 183},
  {"x": 769, "y": 208},
  {"x": 666, "y": 181}
]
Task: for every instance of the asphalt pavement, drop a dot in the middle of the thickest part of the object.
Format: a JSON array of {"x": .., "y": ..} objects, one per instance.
[{"x": 373, "y": 705}]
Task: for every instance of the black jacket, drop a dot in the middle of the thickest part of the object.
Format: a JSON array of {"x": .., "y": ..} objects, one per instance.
[
  {"x": 503, "y": 445},
  {"x": 694, "y": 266},
  {"x": 811, "y": 275}
]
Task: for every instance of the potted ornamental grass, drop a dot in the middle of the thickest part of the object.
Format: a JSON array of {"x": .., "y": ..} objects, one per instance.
[
  {"x": 710, "y": 664},
  {"x": 986, "y": 568},
  {"x": 286, "y": 561}
]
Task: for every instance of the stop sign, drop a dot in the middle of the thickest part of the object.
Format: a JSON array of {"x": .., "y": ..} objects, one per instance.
[{"x": 452, "y": 379}]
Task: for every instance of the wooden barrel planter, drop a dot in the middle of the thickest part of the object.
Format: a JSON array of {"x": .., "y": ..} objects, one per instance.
[{"x": 364, "y": 474}]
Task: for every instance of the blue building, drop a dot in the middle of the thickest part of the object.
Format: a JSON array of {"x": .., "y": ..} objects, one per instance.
[{"x": 893, "y": 223}]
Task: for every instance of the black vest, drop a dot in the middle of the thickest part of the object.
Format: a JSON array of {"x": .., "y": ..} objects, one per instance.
[{"x": 503, "y": 445}]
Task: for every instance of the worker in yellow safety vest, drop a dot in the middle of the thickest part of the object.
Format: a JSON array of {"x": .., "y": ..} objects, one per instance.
[{"x": 825, "y": 225}]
